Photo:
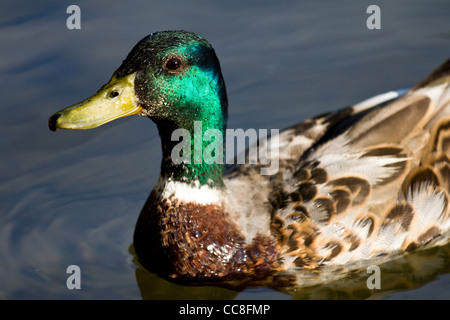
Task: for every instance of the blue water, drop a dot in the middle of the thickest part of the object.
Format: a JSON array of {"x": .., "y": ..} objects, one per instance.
[{"x": 73, "y": 197}]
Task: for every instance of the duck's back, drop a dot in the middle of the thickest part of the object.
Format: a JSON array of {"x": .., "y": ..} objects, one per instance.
[{"x": 368, "y": 181}]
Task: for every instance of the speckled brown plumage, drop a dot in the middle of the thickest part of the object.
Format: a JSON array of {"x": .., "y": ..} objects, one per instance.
[{"x": 190, "y": 242}]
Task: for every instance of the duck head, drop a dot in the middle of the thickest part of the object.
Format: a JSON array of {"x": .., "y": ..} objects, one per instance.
[{"x": 173, "y": 77}]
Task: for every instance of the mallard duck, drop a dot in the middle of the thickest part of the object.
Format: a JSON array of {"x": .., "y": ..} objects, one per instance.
[{"x": 367, "y": 181}]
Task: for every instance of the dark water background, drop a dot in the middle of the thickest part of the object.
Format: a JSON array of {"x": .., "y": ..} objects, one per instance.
[{"x": 73, "y": 197}]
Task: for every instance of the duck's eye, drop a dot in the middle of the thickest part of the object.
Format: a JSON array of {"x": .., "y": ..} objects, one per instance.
[
  {"x": 113, "y": 94},
  {"x": 173, "y": 64}
]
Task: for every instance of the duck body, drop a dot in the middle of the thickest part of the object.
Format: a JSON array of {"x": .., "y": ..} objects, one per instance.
[{"x": 354, "y": 186}]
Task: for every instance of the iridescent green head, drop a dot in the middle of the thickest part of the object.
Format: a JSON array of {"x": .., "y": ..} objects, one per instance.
[
  {"x": 174, "y": 78},
  {"x": 169, "y": 76},
  {"x": 178, "y": 78}
]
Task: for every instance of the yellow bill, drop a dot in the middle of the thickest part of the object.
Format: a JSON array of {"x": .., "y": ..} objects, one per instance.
[{"x": 114, "y": 100}]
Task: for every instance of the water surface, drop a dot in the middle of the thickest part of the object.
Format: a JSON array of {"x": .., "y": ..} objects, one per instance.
[{"x": 73, "y": 197}]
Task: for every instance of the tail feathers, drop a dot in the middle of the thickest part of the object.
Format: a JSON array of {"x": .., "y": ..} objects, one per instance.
[
  {"x": 437, "y": 87},
  {"x": 442, "y": 72},
  {"x": 425, "y": 105}
]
